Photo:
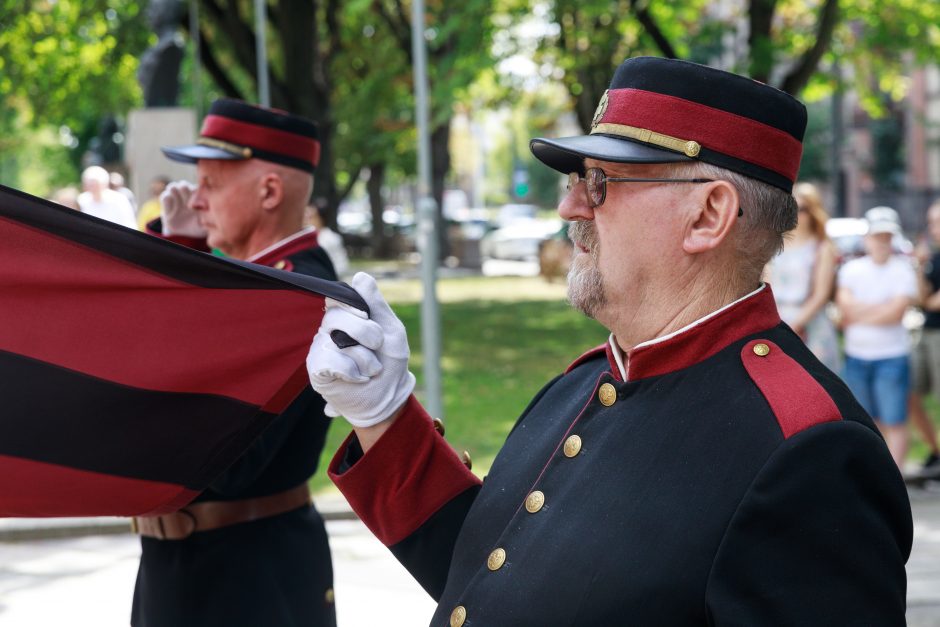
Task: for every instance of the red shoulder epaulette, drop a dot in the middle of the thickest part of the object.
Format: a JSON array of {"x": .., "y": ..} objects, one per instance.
[{"x": 796, "y": 398}]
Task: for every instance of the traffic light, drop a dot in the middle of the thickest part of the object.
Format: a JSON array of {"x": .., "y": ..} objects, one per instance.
[{"x": 520, "y": 183}]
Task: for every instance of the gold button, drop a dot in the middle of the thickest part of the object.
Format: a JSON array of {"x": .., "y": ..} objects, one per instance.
[
  {"x": 438, "y": 425},
  {"x": 465, "y": 458},
  {"x": 496, "y": 559},
  {"x": 607, "y": 394},
  {"x": 534, "y": 501},
  {"x": 761, "y": 350},
  {"x": 458, "y": 616},
  {"x": 329, "y": 596},
  {"x": 280, "y": 265},
  {"x": 572, "y": 446}
]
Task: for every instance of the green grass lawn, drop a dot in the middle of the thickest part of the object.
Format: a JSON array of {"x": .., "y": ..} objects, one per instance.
[{"x": 503, "y": 339}]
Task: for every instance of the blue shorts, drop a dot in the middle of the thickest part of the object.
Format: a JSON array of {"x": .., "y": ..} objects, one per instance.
[{"x": 881, "y": 386}]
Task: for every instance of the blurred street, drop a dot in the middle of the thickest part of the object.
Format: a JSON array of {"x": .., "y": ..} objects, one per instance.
[{"x": 87, "y": 581}]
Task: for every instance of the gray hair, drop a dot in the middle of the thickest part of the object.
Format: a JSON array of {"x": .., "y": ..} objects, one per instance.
[{"x": 768, "y": 213}]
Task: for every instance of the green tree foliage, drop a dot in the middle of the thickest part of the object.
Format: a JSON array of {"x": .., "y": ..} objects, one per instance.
[
  {"x": 787, "y": 43},
  {"x": 63, "y": 64}
]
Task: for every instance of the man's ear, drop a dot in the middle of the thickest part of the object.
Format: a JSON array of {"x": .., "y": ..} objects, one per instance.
[
  {"x": 271, "y": 190},
  {"x": 715, "y": 217}
]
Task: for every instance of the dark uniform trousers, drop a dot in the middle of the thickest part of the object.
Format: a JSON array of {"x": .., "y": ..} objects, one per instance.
[
  {"x": 731, "y": 480},
  {"x": 273, "y": 571}
]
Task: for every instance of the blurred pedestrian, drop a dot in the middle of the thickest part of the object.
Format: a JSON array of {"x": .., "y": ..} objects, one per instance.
[
  {"x": 699, "y": 467},
  {"x": 116, "y": 182},
  {"x": 101, "y": 201},
  {"x": 66, "y": 196},
  {"x": 803, "y": 278},
  {"x": 328, "y": 239},
  {"x": 150, "y": 209},
  {"x": 925, "y": 361},
  {"x": 873, "y": 294},
  {"x": 251, "y": 550}
]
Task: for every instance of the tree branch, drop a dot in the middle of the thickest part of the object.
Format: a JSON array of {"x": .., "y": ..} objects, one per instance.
[
  {"x": 211, "y": 64},
  {"x": 400, "y": 31},
  {"x": 643, "y": 15},
  {"x": 796, "y": 79}
]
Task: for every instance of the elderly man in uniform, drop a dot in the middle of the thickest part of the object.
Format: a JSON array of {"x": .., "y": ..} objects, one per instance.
[
  {"x": 251, "y": 550},
  {"x": 699, "y": 468}
]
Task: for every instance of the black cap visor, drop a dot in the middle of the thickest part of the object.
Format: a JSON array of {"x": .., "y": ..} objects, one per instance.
[
  {"x": 192, "y": 154},
  {"x": 567, "y": 154}
]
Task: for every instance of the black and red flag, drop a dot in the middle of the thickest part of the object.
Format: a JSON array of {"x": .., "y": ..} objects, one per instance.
[{"x": 132, "y": 370}]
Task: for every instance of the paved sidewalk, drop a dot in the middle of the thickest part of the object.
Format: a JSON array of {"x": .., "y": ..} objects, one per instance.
[
  {"x": 88, "y": 581},
  {"x": 58, "y": 574}
]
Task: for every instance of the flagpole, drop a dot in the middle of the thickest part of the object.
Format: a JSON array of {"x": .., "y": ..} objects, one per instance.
[
  {"x": 261, "y": 53},
  {"x": 427, "y": 213}
]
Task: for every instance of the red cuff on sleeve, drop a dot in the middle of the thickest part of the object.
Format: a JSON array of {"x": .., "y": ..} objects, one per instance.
[{"x": 404, "y": 478}]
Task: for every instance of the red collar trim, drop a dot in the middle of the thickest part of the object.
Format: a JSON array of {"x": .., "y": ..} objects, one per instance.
[
  {"x": 753, "y": 314},
  {"x": 298, "y": 242}
]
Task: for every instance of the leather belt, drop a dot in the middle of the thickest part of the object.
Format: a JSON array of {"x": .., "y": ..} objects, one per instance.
[{"x": 209, "y": 515}]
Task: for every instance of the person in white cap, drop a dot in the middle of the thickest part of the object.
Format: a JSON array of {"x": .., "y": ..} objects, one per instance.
[{"x": 873, "y": 293}]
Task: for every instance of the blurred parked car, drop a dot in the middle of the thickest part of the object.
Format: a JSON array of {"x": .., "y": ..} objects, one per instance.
[
  {"x": 518, "y": 240},
  {"x": 510, "y": 213}
]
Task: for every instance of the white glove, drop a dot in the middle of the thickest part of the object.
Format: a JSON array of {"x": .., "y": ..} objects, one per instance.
[
  {"x": 367, "y": 383},
  {"x": 177, "y": 217}
]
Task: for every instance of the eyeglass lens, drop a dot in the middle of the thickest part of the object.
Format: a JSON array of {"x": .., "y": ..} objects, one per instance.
[{"x": 595, "y": 183}]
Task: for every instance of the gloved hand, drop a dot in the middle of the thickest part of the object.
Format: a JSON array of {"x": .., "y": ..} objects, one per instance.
[
  {"x": 177, "y": 217},
  {"x": 367, "y": 383}
]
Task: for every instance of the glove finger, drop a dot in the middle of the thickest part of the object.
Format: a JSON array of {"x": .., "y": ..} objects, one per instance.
[
  {"x": 379, "y": 309},
  {"x": 327, "y": 364},
  {"x": 330, "y": 302},
  {"x": 330, "y": 411},
  {"x": 366, "y": 360},
  {"x": 367, "y": 332}
]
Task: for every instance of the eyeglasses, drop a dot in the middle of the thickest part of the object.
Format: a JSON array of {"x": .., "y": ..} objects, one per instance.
[{"x": 596, "y": 183}]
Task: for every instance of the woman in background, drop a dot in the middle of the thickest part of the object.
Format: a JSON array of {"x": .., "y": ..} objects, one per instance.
[{"x": 802, "y": 278}]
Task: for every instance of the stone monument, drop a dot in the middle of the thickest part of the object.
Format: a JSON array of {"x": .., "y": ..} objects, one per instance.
[{"x": 162, "y": 122}]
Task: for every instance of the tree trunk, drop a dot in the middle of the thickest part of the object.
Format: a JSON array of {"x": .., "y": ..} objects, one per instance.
[
  {"x": 760, "y": 18},
  {"x": 380, "y": 239},
  {"x": 440, "y": 166}
]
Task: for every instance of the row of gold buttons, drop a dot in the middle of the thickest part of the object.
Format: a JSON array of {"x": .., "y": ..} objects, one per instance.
[{"x": 533, "y": 503}]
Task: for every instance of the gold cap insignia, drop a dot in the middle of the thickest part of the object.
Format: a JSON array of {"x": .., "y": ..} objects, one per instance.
[{"x": 600, "y": 111}]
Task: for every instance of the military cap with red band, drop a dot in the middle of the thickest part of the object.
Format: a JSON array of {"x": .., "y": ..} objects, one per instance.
[
  {"x": 236, "y": 130},
  {"x": 665, "y": 111}
]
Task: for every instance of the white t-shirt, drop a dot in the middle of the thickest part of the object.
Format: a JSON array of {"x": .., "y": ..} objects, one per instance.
[
  {"x": 113, "y": 206},
  {"x": 872, "y": 283}
]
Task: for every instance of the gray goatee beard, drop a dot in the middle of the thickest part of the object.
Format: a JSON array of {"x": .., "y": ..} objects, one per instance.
[{"x": 585, "y": 283}]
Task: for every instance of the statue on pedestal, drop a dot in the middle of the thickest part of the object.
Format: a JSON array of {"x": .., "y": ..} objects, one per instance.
[{"x": 159, "y": 66}]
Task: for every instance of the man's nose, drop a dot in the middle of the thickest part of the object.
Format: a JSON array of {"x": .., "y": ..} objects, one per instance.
[
  {"x": 574, "y": 205},
  {"x": 196, "y": 201}
]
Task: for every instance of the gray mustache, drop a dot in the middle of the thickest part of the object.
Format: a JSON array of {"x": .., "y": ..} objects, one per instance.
[{"x": 583, "y": 232}]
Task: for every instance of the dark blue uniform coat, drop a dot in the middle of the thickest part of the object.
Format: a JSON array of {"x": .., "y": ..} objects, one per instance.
[{"x": 730, "y": 480}]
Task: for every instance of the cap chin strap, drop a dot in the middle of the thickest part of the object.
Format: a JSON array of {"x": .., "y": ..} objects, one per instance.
[{"x": 687, "y": 147}]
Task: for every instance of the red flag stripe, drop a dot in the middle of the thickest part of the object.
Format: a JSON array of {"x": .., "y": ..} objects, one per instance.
[
  {"x": 142, "y": 308},
  {"x": 51, "y": 490}
]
